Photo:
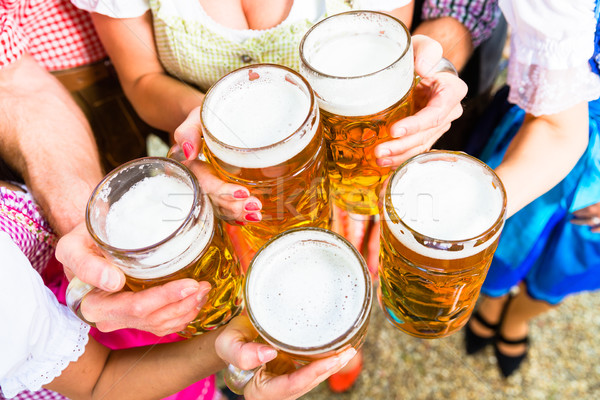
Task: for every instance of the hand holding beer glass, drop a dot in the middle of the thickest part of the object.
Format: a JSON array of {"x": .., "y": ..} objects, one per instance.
[
  {"x": 360, "y": 65},
  {"x": 307, "y": 294},
  {"x": 442, "y": 217},
  {"x": 151, "y": 219},
  {"x": 261, "y": 130}
]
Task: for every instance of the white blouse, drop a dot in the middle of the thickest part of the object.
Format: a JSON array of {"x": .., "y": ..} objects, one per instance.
[
  {"x": 551, "y": 44},
  {"x": 312, "y": 10},
  {"x": 38, "y": 336}
]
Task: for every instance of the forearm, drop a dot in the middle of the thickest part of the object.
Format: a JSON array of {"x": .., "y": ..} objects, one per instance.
[
  {"x": 162, "y": 101},
  {"x": 454, "y": 37},
  {"x": 149, "y": 372},
  {"x": 156, "y": 372},
  {"x": 45, "y": 137},
  {"x": 159, "y": 99},
  {"x": 542, "y": 153}
]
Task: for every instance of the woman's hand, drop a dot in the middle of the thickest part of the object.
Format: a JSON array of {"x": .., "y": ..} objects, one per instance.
[
  {"x": 437, "y": 98},
  {"x": 232, "y": 203},
  {"x": 160, "y": 310},
  {"x": 277, "y": 378}
]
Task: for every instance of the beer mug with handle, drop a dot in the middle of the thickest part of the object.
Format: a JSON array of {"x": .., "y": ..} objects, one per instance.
[
  {"x": 261, "y": 130},
  {"x": 442, "y": 217},
  {"x": 307, "y": 294},
  {"x": 360, "y": 65},
  {"x": 151, "y": 219}
]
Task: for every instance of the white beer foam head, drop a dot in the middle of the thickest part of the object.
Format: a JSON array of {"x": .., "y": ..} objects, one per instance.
[
  {"x": 305, "y": 292},
  {"x": 151, "y": 211},
  {"x": 252, "y": 108},
  {"x": 449, "y": 199},
  {"x": 358, "y": 63}
]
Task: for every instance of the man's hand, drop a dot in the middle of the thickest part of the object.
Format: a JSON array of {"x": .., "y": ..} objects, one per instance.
[
  {"x": 160, "y": 310},
  {"x": 277, "y": 380},
  {"x": 437, "y": 98}
]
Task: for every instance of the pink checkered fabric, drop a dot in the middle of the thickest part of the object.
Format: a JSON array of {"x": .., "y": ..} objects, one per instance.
[
  {"x": 43, "y": 394},
  {"x": 20, "y": 217},
  {"x": 55, "y": 32}
]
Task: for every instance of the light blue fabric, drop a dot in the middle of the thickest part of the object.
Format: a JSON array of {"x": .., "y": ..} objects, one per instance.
[{"x": 539, "y": 245}]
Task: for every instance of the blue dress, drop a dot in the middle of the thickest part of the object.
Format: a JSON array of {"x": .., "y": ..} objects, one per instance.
[{"x": 539, "y": 245}]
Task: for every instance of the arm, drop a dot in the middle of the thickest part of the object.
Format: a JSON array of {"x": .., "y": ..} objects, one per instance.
[
  {"x": 542, "y": 153},
  {"x": 159, "y": 99},
  {"x": 459, "y": 27},
  {"x": 153, "y": 372},
  {"x": 149, "y": 372},
  {"x": 45, "y": 137}
]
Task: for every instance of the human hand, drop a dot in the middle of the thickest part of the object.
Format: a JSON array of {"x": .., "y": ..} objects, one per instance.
[
  {"x": 160, "y": 310},
  {"x": 233, "y": 203},
  {"x": 278, "y": 379},
  {"x": 437, "y": 98},
  {"x": 588, "y": 216}
]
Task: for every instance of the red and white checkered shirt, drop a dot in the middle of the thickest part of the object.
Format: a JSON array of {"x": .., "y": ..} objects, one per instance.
[{"x": 55, "y": 32}]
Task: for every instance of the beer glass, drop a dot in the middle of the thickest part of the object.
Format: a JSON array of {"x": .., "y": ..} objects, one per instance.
[
  {"x": 151, "y": 218},
  {"x": 360, "y": 65},
  {"x": 261, "y": 130},
  {"x": 307, "y": 294},
  {"x": 442, "y": 217}
]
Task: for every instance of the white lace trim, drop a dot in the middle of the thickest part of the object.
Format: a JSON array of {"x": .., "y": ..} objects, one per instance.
[
  {"x": 552, "y": 53},
  {"x": 541, "y": 91},
  {"x": 40, "y": 369}
]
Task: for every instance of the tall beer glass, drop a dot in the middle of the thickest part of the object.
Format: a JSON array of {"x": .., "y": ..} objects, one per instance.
[
  {"x": 442, "y": 217},
  {"x": 261, "y": 130},
  {"x": 308, "y": 294},
  {"x": 360, "y": 65},
  {"x": 150, "y": 218}
]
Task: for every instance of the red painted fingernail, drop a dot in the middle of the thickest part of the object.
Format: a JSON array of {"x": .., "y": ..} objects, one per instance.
[
  {"x": 240, "y": 194},
  {"x": 252, "y": 206},
  {"x": 187, "y": 149},
  {"x": 253, "y": 217},
  {"x": 240, "y": 223}
]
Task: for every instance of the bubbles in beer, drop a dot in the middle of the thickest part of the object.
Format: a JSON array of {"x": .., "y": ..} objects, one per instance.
[
  {"x": 148, "y": 212},
  {"x": 319, "y": 290}
]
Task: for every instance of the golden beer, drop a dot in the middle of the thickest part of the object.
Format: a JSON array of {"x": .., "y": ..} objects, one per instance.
[
  {"x": 442, "y": 218},
  {"x": 360, "y": 65},
  {"x": 262, "y": 130},
  {"x": 308, "y": 294},
  {"x": 151, "y": 219}
]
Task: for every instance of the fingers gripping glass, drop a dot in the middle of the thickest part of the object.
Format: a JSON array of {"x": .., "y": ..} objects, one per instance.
[
  {"x": 361, "y": 66},
  {"x": 150, "y": 218},
  {"x": 308, "y": 294}
]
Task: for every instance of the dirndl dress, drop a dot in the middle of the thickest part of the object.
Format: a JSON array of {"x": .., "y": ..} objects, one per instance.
[{"x": 539, "y": 245}]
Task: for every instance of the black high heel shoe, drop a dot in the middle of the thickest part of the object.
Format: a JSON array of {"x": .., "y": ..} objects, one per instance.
[
  {"x": 475, "y": 343},
  {"x": 509, "y": 364}
]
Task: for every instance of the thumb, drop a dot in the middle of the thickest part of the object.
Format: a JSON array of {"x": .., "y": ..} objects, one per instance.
[{"x": 234, "y": 345}]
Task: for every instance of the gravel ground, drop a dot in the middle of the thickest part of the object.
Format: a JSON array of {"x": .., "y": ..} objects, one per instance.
[{"x": 562, "y": 362}]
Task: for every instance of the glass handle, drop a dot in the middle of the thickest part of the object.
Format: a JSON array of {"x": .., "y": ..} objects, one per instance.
[
  {"x": 444, "y": 65},
  {"x": 76, "y": 291},
  {"x": 236, "y": 379}
]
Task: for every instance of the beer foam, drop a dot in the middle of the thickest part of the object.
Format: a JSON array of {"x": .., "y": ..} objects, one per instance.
[
  {"x": 149, "y": 212},
  {"x": 365, "y": 59},
  {"x": 253, "y": 108},
  {"x": 449, "y": 199},
  {"x": 305, "y": 292},
  {"x": 356, "y": 55}
]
